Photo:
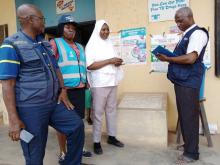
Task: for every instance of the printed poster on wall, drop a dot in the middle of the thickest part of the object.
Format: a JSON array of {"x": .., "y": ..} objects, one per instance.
[
  {"x": 116, "y": 41},
  {"x": 65, "y": 6},
  {"x": 133, "y": 45},
  {"x": 163, "y": 10},
  {"x": 168, "y": 41}
]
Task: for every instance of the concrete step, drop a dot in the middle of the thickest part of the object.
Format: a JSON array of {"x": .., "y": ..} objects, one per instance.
[{"x": 142, "y": 118}]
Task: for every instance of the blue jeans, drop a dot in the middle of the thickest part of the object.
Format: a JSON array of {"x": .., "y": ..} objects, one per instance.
[{"x": 37, "y": 119}]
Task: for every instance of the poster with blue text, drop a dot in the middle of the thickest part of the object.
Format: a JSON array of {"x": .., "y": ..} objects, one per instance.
[
  {"x": 133, "y": 49},
  {"x": 163, "y": 10}
]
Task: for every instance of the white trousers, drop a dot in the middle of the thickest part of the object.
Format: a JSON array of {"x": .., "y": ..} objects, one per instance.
[{"x": 104, "y": 100}]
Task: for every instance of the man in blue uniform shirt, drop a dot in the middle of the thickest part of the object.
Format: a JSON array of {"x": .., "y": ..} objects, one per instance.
[
  {"x": 185, "y": 71},
  {"x": 31, "y": 80}
]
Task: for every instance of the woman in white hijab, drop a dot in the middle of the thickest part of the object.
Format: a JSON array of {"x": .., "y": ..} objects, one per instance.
[{"x": 103, "y": 76}]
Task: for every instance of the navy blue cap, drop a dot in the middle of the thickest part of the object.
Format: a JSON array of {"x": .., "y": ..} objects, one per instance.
[{"x": 66, "y": 18}]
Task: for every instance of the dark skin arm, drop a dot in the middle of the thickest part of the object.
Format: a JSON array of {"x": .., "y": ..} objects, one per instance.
[
  {"x": 97, "y": 65},
  {"x": 15, "y": 124},
  {"x": 189, "y": 58},
  {"x": 63, "y": 94}
]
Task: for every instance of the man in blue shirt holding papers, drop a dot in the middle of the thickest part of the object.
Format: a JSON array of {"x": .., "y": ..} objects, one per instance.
[{"x": 185, "y": 71}]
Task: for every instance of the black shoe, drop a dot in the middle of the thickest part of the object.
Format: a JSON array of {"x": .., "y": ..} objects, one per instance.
[
  {"x": 98, "y": 148},
  {"x": 89, "y": 120},
  {"x": 113, "y": 141},
  {"x": 87, "y": 154}
]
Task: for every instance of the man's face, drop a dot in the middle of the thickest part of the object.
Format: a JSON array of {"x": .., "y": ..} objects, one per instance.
[
  {"x": 69, "y": 31},
  {"x": 104, "y": 32},
  {"x": 38, "y": 22},
  {"x": 183, "y": 22}
]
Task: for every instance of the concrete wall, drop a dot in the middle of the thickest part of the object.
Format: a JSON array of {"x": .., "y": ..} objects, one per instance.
[
  {"x": 121, "y": 14},
  {"x": 7, "y": 16}
]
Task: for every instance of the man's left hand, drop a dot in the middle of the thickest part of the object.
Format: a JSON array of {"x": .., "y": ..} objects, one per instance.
[{"x": 162, "y": 57}]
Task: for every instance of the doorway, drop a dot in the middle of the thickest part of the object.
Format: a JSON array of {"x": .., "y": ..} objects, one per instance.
[{"x": 84, "y": 31}]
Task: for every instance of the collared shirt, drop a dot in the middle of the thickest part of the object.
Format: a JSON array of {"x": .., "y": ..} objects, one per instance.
[
  {"x": 10, "y": 62},
  {"x": 197, "y": 40}
]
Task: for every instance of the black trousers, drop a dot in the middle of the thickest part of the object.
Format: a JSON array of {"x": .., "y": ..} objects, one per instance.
[
  {"x": 187, "y": 100},
  {"x": 77, "y": 98}
]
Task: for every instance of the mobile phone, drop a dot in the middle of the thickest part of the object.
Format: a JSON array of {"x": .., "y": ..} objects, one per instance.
[{"x": 26, "y": 136}]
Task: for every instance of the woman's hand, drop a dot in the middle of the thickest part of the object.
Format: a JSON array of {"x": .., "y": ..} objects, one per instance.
[{"x": 116, "y": 61}]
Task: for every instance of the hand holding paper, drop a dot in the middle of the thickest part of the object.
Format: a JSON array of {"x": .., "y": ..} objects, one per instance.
[
  {"x": 161, "y": 50},
  {"x": 163, "y": 57}
]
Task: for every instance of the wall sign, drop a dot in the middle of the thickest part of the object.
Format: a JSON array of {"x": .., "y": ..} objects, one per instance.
[
  {"x": 65, "y": 6},
  {"x": 163, "y": 10}
]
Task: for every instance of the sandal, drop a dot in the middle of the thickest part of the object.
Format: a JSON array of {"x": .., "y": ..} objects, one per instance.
[{"x": 184, "y": 160}]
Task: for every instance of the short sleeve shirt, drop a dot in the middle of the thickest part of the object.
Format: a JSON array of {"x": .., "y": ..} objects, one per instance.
[
  {"x": 9, "y": 62},
  {"x": 197, "y": 40}
]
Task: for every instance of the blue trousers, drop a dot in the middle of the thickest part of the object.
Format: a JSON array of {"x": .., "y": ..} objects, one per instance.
[{"x": 37, "y": 119}]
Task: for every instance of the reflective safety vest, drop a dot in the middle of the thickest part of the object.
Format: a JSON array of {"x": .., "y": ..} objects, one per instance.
[{"x": 72, "y": 68}]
